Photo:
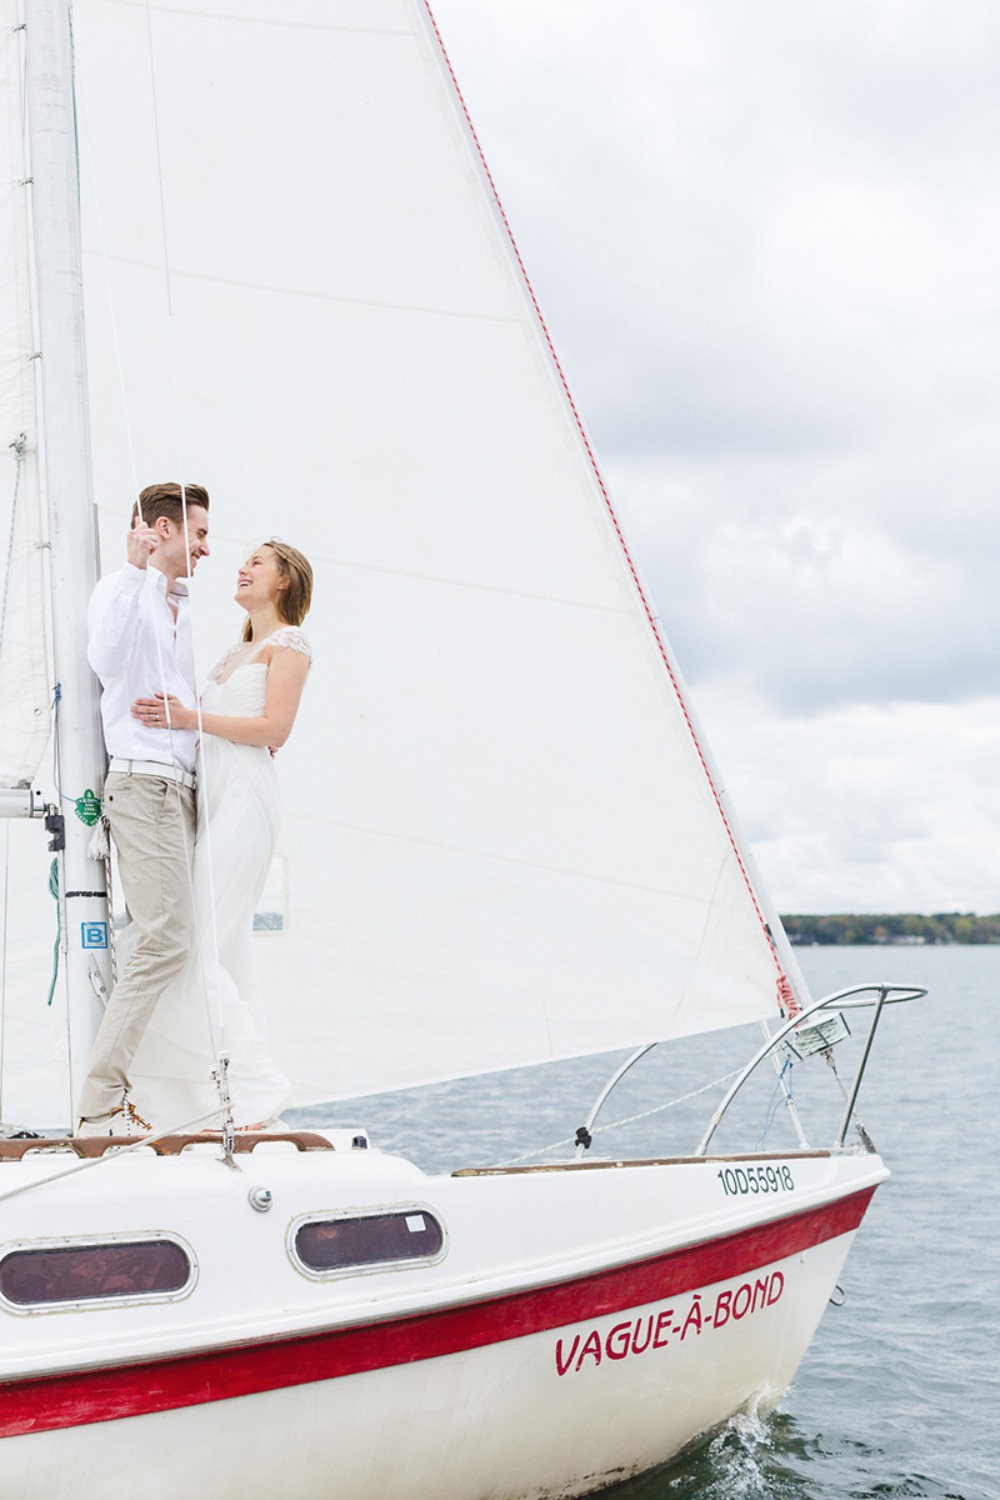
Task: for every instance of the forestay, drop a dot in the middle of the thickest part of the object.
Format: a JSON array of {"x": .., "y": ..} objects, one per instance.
[{"x": 500, "y": 843}]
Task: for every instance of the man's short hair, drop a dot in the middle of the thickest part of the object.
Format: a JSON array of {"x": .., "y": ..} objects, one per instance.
[{"x": 168, "y": 500}]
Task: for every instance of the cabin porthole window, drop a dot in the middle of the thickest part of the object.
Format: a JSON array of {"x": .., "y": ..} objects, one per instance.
[
  {"x": 64, "y": 1274},
  {"x": 382, "y": 1239}
]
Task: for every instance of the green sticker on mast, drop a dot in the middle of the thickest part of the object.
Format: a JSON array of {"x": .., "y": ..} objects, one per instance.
[{"x": 88, "y": 808}]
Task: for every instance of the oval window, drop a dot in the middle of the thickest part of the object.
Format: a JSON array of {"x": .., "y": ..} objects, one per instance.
[
  {"x": 88, "y": 1273},
  {"x": 339, "y": 1244}
]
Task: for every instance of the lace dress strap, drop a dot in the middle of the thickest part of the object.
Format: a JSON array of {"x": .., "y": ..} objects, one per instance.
[
  {"x": 292, "y": 637},
  {"x": 218, "y": 671}
]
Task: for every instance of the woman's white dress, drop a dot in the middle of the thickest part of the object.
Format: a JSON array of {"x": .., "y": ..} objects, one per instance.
[{"x": 218, "y": 1004}]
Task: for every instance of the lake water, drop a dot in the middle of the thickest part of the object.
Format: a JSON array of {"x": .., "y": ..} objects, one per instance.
[{"x": 899, "y": 1395}]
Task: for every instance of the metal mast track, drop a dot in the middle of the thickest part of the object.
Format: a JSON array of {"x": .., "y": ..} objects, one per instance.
[{"x": 72, "y": 524}]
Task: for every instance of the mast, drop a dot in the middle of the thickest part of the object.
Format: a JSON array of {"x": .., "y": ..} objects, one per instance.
[{"x": 72, "y": 516}]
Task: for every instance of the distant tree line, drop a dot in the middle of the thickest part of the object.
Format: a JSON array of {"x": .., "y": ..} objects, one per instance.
[{"x": 942, "y": 927}]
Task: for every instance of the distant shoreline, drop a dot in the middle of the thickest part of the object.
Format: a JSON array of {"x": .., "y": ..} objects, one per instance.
[{"x": 894, "y": 929}]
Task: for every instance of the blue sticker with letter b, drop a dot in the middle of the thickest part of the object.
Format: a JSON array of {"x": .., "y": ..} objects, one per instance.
[{"x": 93, "y": 934}]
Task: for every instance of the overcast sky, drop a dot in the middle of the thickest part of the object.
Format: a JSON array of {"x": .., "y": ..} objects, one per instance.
[{"x": 765, "y": 235}]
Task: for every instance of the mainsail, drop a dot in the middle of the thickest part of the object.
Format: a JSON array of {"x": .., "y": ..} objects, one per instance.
[{"x": 501, "y": 843}]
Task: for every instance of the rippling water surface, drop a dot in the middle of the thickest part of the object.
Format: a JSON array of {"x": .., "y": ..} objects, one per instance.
[{"x": 899, "y": 1395}]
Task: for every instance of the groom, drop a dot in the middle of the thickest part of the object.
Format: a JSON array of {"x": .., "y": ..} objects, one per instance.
[{"x": 140, "y": 643}]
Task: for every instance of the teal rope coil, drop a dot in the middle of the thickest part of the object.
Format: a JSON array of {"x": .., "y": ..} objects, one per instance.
[{"x": 54, "y": 893}]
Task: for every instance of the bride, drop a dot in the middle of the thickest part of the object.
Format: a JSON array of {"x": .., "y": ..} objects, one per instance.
[{"x": 247, "y": 711}]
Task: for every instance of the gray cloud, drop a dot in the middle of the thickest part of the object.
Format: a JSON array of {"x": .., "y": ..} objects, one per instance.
[
  {"x": 821, "y": 606},
  {"x": 765, "y": 238},
  {"x": 768, "y": 260},
  {"x": 756, "y": 229}
]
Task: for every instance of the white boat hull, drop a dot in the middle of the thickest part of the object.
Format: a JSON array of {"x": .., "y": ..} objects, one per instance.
[{"x": 526, "y": 1361}]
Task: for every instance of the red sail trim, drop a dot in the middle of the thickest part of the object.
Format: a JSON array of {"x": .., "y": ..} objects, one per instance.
[
  {"x": 131, "y": 1390},
  {"x": 789, "y": 1005},
  {"x": 599, "y": 477}
]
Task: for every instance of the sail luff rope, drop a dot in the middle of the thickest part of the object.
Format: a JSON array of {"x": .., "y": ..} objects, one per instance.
[{"x": 784, "y": 987}]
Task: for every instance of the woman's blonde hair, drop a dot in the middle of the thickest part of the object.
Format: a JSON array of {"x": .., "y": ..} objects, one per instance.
[{"x": 293, "y": 601}]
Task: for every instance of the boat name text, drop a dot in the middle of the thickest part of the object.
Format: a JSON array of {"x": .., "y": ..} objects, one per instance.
[{"x": 656, "y": 1330}]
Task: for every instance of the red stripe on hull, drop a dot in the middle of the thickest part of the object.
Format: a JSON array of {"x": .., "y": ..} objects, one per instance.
[{"x": 129, "y": 1390}]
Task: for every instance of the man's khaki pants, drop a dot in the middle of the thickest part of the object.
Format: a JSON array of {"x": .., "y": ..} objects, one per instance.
[{"x": 152, "y": 822}]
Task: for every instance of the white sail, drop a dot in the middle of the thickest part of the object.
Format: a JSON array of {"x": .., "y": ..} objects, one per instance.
[
  {"x": 501, "y": 843},
  {"x": 24, "y": 676}
]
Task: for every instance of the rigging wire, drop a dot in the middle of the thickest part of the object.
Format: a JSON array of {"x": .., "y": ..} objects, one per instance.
[
  {"x": 159, "y": 158},
  {"x": 20, "y": 447},
  {"x": 629, "y": 1120},
  {"x": 210, "y": 929},
  {"x": 779, "y": 1095}
]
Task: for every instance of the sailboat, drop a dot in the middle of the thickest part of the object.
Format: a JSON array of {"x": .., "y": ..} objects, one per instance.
[{"x": 505, "y": 842}]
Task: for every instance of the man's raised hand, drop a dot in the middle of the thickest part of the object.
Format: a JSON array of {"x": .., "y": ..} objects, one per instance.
[{"x": 140, "y": 543}]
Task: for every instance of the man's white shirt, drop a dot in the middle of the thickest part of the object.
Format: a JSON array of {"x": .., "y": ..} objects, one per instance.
[{"x": 137, "y": 649}]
